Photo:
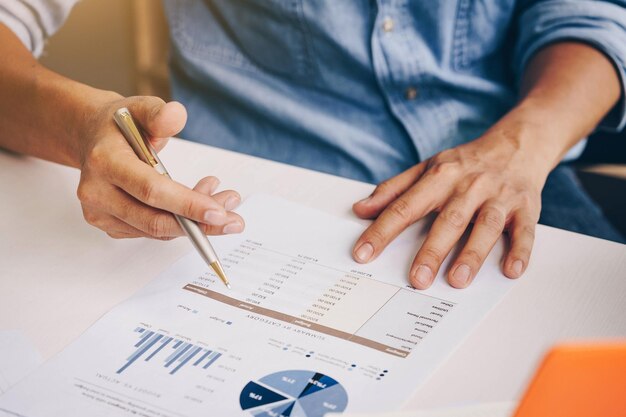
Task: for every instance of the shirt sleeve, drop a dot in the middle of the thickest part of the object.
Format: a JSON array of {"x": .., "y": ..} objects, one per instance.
[
  {"x": 599, "y": 23},
  {"x": 34, "y": 21}
]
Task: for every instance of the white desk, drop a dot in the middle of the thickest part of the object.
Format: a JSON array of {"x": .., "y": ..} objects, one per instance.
[{"x": 58, "y": 275}]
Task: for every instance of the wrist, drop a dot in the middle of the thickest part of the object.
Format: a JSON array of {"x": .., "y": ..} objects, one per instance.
[
  {"x": 534, "y": 130},
  {"x": 65, "y": 118},
  {"x": 92, "y": 113}
]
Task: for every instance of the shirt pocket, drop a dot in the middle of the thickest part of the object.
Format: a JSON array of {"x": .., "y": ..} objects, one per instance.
[
  {"x": 266, "y": 35},
  {"x": 481, "y": 31}
]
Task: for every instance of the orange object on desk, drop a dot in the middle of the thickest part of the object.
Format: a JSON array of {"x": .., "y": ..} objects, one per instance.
[{"x": 586, "y": 380}]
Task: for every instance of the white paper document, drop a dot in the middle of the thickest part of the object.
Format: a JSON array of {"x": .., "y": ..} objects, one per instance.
[
  {"x": 18, "y": 358},
  {"x": 499, "y": 409},
  {"x": 304, "y": 331}
]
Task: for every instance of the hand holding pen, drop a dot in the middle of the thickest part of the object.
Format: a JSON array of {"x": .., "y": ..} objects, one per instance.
[{"x": 126, "y": 198}]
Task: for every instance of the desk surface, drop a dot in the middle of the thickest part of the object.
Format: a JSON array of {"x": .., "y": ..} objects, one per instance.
[{"x": 58, "y": 275}]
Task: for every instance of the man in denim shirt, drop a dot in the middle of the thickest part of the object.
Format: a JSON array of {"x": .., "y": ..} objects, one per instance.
[{"x": 462, "y": 107}]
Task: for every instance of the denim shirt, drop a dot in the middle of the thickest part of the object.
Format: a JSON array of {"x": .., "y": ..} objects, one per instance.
[
  {"x": 365, "y": 89},
  {"x": 358, "y": 88}
]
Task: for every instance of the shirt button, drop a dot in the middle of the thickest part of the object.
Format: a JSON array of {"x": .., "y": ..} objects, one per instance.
[
  {"x": 388, "y": 24},
  {"x": 410, "y": 93}
]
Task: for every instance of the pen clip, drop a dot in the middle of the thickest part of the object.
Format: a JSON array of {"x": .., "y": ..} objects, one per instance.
[{"x": 134, "y": 137}]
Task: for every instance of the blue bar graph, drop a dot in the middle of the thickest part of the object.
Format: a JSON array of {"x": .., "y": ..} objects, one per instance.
[
  {"x": 145, "y": 336},
  {"x": 212, "y": 359},
  {"x": 157, "y": 350},
  {"x": 178, "y": 354},
  {"x": 203, "y": 357},
  {"x": 175, "y": 353},
  {"x": 186, "y": 359}
]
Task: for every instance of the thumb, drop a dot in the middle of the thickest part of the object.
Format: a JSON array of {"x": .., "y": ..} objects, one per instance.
[
  {"x": 158, "y": 119},
  {"x": 388, "y": 191}
]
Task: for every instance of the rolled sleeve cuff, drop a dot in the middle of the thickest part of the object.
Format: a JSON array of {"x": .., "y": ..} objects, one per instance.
[
  {"x": 599, "y": 24},
  {"x": 33, "y": 21},
  {"x": 21, "y": 20}
]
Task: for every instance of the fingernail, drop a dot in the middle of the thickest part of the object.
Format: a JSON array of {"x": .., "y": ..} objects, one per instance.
[
  {"x": 517, "y": 267},
  {"x": 214, "y": 217},
  {"x": 422, "y": 276},
  {"x": 365, "y": 200},
  {"x": 232, "y": 203},
  {"x": 462, "y": 275},
  {"x": 235, "y": 227},
  {"x": 364, "y": 252}
]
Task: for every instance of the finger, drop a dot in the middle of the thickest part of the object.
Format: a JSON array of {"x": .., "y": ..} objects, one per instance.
[
  {"x": 158, "y": 119},
  {"x": 445, "y": 232},
  {"x": 110, "y": 224},
  {"x": 388, "y": 191},
  {"x": 160, "y": 224},
  {"x": 158, "y": 143},
  {"x": 120, "y": 235},
  {"x": 235, "y": 224},
  {"x": 122, "y": 230},
  {"x": 148, "y": 221},
  {"x": 522, "y": 235},
  {"x": 488, "y": 228},
  {"x": 158, "y": 191},
  {"x": 409, "y": 207},
  {"x": 207, "y": 185},
  {"x": 229, "y": 199}
]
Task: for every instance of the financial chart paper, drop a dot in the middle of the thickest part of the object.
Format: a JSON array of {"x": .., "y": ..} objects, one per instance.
[{"x": 304, "y": 331}]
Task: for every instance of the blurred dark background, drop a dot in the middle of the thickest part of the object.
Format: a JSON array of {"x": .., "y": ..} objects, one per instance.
[{"x": 602, "y": 171}]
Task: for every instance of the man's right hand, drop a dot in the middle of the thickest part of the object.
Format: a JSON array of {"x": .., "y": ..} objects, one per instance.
[
  {"x": 126, "y": 198},
  {"x": 48, "y": 116}
]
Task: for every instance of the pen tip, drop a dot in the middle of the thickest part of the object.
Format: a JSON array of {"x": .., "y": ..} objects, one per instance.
[
  {"x": 220, "y": 273},
  {"x": 229, "y": 287}
]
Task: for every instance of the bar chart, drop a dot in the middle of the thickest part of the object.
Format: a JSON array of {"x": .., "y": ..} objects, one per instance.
[{"x": 173, "y": 353}]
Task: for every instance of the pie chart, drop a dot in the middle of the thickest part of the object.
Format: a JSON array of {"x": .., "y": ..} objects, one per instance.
[{"x": 293, "y": 394}]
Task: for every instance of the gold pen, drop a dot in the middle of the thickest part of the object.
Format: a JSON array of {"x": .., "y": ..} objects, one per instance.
[{"x": 146, "y": 153}]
